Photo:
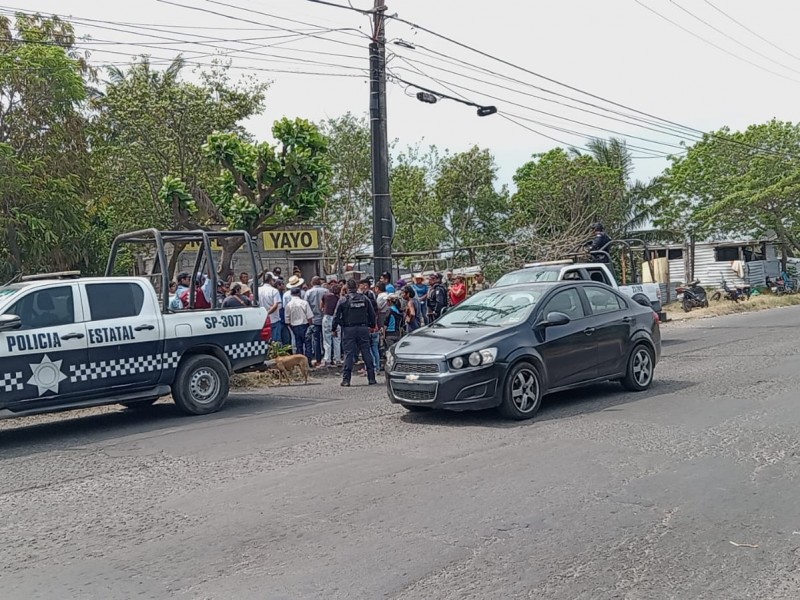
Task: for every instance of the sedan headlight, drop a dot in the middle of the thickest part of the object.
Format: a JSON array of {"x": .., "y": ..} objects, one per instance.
[
  {"x": 480, "y": 358},
  {"x": 389, "y": 360}
]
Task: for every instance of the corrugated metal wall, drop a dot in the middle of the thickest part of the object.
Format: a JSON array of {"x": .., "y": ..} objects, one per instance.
[{"x": 711, "y": 272}]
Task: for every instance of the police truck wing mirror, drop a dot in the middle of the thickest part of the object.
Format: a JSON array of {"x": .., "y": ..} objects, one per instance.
[{"x": 10, "y": 322}]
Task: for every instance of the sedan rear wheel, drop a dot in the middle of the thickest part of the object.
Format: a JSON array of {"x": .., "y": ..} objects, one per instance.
[
  {"x": 641, "y": 366},
  {"x": 522, "y": 395}
]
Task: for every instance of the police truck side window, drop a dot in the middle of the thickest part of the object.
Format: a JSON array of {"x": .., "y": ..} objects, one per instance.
[
  {"x": 114, "y": 300},
  {"x": 46, "y": 308}
]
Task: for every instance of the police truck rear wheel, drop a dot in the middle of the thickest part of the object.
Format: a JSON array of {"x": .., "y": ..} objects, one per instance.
[{"x": 201, "y": 385}]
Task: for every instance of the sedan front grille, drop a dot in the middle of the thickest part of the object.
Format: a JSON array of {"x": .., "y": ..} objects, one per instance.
[
  {"x": 414, "y": 395},
  {"x": 418, "y": 368}
]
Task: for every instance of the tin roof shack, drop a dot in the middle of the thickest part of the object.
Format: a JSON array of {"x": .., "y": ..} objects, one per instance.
[{"x": 738, "y": 262}]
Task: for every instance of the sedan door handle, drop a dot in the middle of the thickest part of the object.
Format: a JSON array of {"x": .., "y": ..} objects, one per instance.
[
  {"x": 626, "y": 319},
  {"x": 73, "y": 336},
  {"x": 589, "y": 330},
  {"x": 144, "y": 328}
]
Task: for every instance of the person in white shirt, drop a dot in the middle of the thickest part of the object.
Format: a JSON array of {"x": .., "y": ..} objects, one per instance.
[
  {"x": 299, "y": 317},
  {"x": 270, "y": 298}
]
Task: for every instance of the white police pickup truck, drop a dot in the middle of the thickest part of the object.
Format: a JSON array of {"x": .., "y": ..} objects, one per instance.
[
  {"x": 71, "y": 342},
  {"x": 643, "y": 293}
]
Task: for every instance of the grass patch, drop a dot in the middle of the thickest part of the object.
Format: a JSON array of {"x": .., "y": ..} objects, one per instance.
[{"x": 727, "y": 307}]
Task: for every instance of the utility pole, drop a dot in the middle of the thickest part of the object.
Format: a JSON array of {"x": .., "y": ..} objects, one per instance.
[{"x": 382, "y": 222}]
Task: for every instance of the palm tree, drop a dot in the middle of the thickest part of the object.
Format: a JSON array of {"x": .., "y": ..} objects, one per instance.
[{"x": 638, "y": 197}]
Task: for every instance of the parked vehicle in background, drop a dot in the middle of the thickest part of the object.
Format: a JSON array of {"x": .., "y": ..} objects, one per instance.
[
  {"x": 509, "y": 346},
  {"x": 692, "y": 295},
  {"x": 734, "y": 294},
  {"x": 646, "y": 294},
  {"x": 782, "y": 285},
  {"x": 71, "y": 342}
]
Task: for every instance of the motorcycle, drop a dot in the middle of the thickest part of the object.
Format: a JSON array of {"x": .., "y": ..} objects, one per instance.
[
  {"x": 782, "y": 285},
  {"x": 733, "y": 294},
  {"x": 692, "y": 295}
]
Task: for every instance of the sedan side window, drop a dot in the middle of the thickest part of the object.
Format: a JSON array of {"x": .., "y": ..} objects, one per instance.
[
  {"x": 602, "y": 300},
  {"x": 567, "y": 302},
  {"x": 45, "y": 308}
]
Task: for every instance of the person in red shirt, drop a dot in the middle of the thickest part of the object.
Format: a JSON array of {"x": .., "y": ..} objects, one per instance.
[{"x": 458, "y": 291}]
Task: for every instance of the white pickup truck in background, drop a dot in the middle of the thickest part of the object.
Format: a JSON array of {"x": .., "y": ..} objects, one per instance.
[{"x": 647, "y": 294}]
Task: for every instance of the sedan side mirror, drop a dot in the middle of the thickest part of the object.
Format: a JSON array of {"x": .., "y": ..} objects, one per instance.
[
  {"x": 10, "y": 322},
  {"x": 554, "y": 319}
]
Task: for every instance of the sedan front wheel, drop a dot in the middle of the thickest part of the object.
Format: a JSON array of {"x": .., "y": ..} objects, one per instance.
[{"x": 522, "y": 394}]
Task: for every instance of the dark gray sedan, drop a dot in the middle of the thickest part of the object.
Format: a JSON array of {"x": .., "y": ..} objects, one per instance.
[{"x": 508, "y": 347}]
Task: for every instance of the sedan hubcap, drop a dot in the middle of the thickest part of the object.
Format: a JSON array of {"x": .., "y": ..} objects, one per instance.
[
  {"x": 204, "y": 386},
  {"x": 525, "y": 390},
  {"x": 642, "y": 367}
]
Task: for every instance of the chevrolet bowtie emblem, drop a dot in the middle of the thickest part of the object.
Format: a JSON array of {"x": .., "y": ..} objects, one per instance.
[{"x": 412, "y": 377}]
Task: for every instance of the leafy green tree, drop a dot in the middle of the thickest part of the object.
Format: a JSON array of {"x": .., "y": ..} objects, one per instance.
[
  {"x": 259, "y": 186},
  {"x": 44, "y": 166},
  {"x": 472, "y": 207},
  {"x": 558, "y": 196},
  {"x": 744, "y": 183},
  {"x": 346, "y": 214},
  {"x": 151, "y": 123},
  {"x": 416, "y": 208}
]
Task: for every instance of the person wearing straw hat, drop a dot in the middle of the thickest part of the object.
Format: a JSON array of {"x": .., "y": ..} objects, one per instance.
[{"x": 421, "y": 291}]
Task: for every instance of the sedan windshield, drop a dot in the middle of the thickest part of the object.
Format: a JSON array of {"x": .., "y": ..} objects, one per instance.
[
  {"x": 492, "y": 308},
  {"x": 528, "y": 276}
]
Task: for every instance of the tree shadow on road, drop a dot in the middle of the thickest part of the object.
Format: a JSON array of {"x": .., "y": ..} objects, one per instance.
[{"x": 592, "y": 399}]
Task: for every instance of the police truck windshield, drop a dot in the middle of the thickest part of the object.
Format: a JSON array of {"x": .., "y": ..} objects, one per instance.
[{"x": 8, "y": 291}]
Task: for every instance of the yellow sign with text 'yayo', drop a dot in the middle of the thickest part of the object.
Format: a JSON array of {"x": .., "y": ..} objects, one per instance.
[{"x": 292, "y": 240}]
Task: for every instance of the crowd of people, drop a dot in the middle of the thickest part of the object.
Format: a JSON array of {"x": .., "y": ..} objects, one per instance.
[{"x": 314, "y": 317}]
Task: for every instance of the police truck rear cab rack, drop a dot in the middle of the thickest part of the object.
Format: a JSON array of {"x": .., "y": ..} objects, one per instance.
[{"x": 70, "y": 342}]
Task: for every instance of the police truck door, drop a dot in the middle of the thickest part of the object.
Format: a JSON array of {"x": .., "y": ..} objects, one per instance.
[
  {"x": 124, "y": 332},
  {"x": 37, "y": 361}
]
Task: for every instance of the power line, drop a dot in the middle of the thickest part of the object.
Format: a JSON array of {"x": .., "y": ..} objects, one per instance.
[
  {"x": 717, "y": 46},
  {"x": 535, "y": 74},
  {"x": 251, "y": 21},
  {"x": 465, "y": 100},
  {"x": 657, "y": 129},
  {"x": 733, "y": 39},
  {"x": 746, "y": 28},
  {"x": 519, "y": 105},
  {"x": 261, "y": 56},
  {"x": 580, "y": 91}
]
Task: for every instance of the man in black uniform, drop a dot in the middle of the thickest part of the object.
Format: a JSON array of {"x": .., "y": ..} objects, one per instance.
[
  {"x": 598, "y": 247},
  {"x": 437, "y": 297},
  {"x": 356, "y": 316}
]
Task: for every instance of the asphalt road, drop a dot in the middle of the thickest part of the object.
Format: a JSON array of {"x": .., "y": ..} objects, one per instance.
[{"x": 308, "y": 492}]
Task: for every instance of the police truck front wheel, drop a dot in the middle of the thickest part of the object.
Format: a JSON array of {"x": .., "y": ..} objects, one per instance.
[{"x": 201, "y": 385}]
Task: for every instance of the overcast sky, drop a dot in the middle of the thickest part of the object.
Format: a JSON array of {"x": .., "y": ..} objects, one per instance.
[{"x": 615, "y": 49}]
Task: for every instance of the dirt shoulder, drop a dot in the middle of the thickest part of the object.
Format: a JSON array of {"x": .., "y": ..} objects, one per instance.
[{"x": 726, "y": 307}]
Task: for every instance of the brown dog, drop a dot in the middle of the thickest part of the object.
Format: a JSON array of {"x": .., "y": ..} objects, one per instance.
[{"x": 286, "y": 364}]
